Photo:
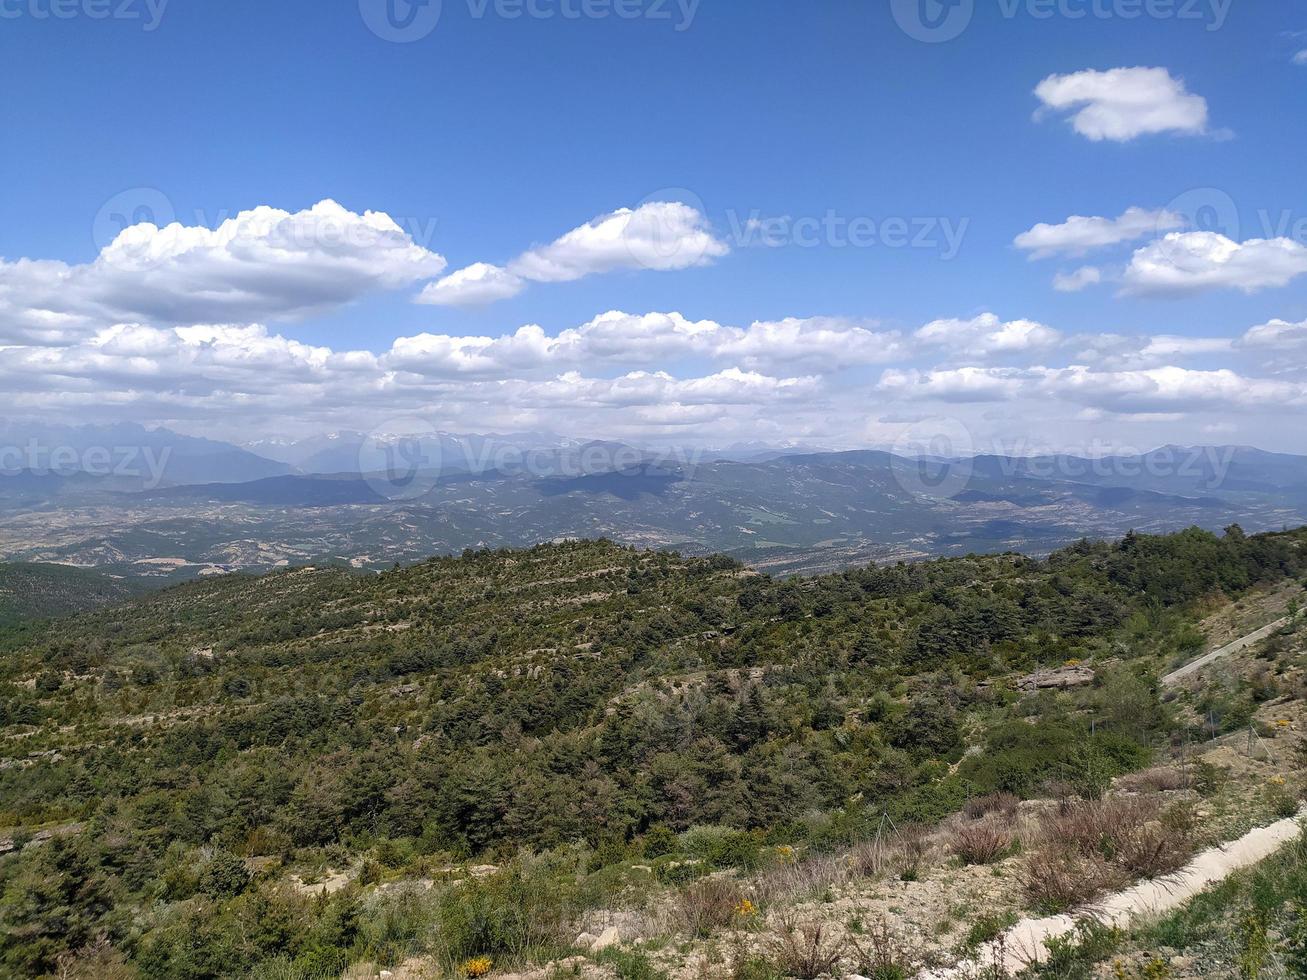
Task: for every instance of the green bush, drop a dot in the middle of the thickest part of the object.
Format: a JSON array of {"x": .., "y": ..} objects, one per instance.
[
  {"x": 519, "y": 912},
  {"x": 721, "y": 847}
]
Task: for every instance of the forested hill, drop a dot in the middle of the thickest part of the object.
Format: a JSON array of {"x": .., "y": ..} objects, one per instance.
[
  {"x": 472, "y": 706},
  {"x": 35, "y": 591}
]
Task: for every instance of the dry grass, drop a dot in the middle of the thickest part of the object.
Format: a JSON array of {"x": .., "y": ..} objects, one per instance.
[
  {"x": 1097, "y": 827},
  {"x": 805, "y": 949},
  {"x": 1087, "y": 847},
  {"x": 981, "y": 843},
  {"x": 1056, "y": 880},
  {"x": 882, "y": 952},
  {"x": 707, "y": 905},
  {"x": 1005, "y": 804},
  {"x": 901, "y": 854},
  {"x": 1163, "y": 779}
]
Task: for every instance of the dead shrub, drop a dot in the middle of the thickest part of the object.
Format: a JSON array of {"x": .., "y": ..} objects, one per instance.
[
  {"x": 1097, "y": 827},
  {"x": 1058, "y": 879},
  {"x": 1153, "y": 850},
  {"x": 707, "y": 905},
  {"x": 1001, "y": 803},
  {"x": 981, "y": 843},
  {"x": 1161, "y": 780},
  {"x": 882, "y": 952},
  {"x": 871, "y": 859},
  {"x": 911, "y": 847},
  {"x": 810, "y": 876},
  {"x": 805, "y": 949}
]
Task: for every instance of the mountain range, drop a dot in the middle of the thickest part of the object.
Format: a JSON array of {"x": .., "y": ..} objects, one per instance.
[{"x": 217, "y": 507}]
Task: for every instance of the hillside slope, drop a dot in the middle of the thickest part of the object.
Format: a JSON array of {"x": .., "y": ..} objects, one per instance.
[
  {"x": 583, "y": 701},
  {"x": 34, "y": 591}
]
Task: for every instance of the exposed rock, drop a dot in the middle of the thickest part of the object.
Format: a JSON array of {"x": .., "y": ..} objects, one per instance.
[
  {"x": 1060, "y": 677},
  {"x": 609, "y": 937}
]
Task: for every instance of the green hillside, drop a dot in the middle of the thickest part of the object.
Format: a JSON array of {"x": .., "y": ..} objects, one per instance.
[
  {"x": 582, "y": 702},
  {"x": 34, "y": 591}
]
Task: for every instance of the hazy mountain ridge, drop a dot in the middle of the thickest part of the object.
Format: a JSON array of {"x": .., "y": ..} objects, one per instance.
[{"x": 790, "y": 513}]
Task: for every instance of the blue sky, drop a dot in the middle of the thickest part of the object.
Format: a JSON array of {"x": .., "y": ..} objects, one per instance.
[{"x": 494, "y": 134}]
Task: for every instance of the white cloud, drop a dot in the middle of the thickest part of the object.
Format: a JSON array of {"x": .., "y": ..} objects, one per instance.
[
  {"x": 986, "y": 335},
  {"x": 821, "y": 344},
  {"x": 1165, "y": 389},
  {"x": 1301, "y": 57},
  {"x": 661, "y": 236},
  {"x": 787, "y": 347},
  {"x": 1189, "y": 262},
  {"x": 474, "y": 285},
  {"x": 1078, "y": 235},
  {"x": 1277, "y": 335},
  {"x": 261, "y": 264},
  {"x": 966, "y": 384},
  {"x": 1124, "y": 103},
  {"x": 1117, "y": 351},
  {"x": 1082, "y": 278}
]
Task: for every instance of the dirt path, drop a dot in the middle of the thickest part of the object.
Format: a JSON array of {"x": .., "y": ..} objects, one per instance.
[
  {"x": 1240, "y": 644},
  {"x": 1024, "y": 942}
]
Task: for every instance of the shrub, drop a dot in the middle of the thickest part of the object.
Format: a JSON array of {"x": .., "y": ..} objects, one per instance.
[
  {"x": 1056, "y": 880},
  {"x": 721, "y": 847},
  {"x": 522, "y": 910},
  {"x": 987, "y": 928},
  {"x": 981, "y": 843},
  {"x": 707, "y": 905},
  {"x": 630, "y": 964},
  {"x": 912, "y": 847},
  {"x": 982, "y": 806},
  {"x": 396, "y": 923},
  {"x": 1160, "y": 780},
  {"x": 658, "y": 841},
  {"x": 1097, "y": 827},
  {"x": 880, "y": 953},
  {"x": 1283, "y": 802},
  {"x": 223, "y": 875},
  {"x": 1156, "y": 848},
  {"x": 805, "y": 949}
]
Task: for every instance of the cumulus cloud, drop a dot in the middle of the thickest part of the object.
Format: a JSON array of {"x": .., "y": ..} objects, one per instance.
[
  {"x": 1082, "y": 278},
  {"x": 1301, "y": 57},
  {"x": 656, "y": 375},
  {"x": 1277, "y": 335},
  {"x": 261, "y": 264},
  {"x": 661, "y": 235},
  {"x": 987, "y": 335},
  {"x": 1078, "y": 234},
  {"x": 790, "y": 346},
  {"x": 1164, "y": 389},
  {"x": 1124, "y": 103},
  {"x": 966, "y": 384},
  {"x": 1193, "y": 261},
  {"x": 474, "y": 285}
]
